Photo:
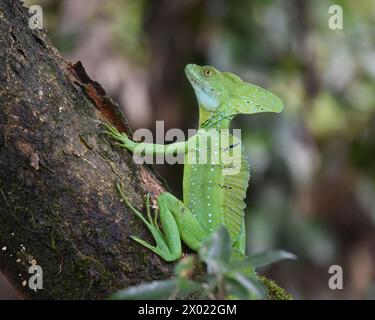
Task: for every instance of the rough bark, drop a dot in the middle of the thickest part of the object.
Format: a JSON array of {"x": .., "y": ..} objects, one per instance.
[{"x": 58, "y": 203}]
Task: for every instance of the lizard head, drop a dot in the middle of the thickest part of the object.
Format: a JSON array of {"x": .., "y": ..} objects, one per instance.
[
  {"x": 208, "y": 84},
  {"x": 214, "y": 88}
]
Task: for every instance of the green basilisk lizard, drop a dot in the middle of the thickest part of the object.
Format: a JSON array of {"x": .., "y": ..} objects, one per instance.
[{"x": 214, "y": 188}]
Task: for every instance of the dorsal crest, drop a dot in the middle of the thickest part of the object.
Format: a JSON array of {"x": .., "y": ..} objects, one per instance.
[{"x": 233, "y": 77}]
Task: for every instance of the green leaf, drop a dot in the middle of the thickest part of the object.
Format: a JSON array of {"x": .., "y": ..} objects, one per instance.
[
  {"x": 157, "y": 290},
  {"x": 241, "y": 263},
  {"x": 242, "y": 287},
  {"x": 208, "y": 287},
  {"x": 269, "y": 257},
  {"x": 235, "y": 290},
  {"x": 186, "y": 287},
  {"x": 216, "y": 250}
]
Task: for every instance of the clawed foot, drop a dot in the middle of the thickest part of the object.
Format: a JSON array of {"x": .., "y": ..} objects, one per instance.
[
  {"x": 150, "y": 221},
  {"x": 115, "y": 134},
  {"x": 161, "y": 247}
]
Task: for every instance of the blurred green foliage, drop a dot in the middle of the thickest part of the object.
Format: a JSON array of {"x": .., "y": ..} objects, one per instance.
[
  {"x": 128, "y": 15},
  {"x": 224, "y": 276}
]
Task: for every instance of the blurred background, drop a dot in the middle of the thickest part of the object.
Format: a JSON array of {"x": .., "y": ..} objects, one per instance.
[{"x": 312, "y": 189}]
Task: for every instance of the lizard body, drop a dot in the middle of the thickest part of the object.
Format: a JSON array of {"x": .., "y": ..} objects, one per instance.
[{"x": 213, "y": 189}]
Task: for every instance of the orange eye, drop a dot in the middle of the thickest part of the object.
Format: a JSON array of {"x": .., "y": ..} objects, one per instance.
[{"x": 207, "y": 72}]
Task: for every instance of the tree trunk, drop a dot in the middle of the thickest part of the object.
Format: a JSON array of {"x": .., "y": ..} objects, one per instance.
[{"x": 58, "y": 203}]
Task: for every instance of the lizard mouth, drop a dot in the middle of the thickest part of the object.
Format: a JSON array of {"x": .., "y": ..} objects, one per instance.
[
  {"x": 194, "y": 79},
  {"x": 192, "y": 75},
  {"x": 197, "y": 83}
]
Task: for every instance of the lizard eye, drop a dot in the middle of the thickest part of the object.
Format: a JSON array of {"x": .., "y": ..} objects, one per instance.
[{"x": 207, "y": 72}]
